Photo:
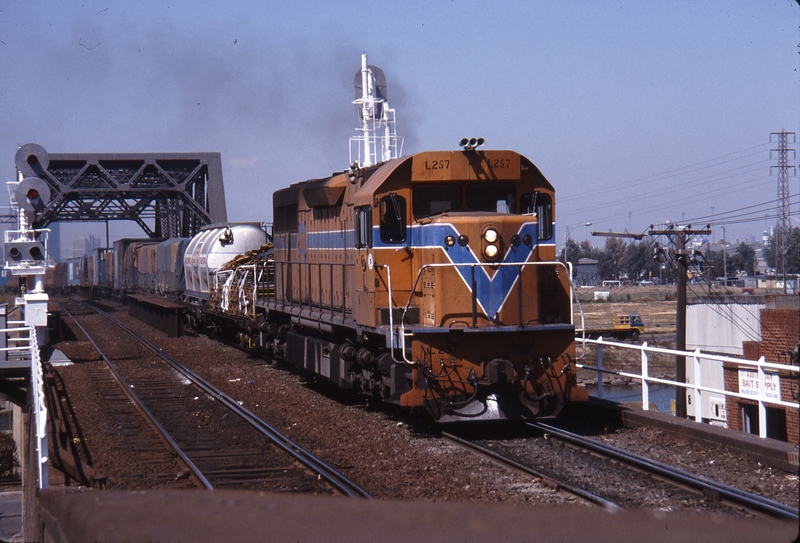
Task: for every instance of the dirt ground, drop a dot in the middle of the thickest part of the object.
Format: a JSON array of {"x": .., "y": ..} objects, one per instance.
[{"x": 656, "y": 306}]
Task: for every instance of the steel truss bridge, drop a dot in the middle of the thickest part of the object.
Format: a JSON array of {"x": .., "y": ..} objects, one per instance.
[{"x": 176, "y": 192}]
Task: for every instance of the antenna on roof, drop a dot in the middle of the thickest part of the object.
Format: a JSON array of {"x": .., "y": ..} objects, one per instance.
[{"x": 373, "y": 109}]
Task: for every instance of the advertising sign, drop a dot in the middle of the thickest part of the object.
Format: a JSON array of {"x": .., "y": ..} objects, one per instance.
[{"x": 768, "y": 388}]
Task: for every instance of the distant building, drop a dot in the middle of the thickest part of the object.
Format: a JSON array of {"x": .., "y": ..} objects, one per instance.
[
  {"x": 586, "y": 273},
  {"x": 83, "y": 245}
]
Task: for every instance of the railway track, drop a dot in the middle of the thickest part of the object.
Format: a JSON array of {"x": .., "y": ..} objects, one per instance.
[
  {"x": 542, "y": 477},
  {"x": 226, "y": 460},
  {"x": 716, "y": 491},
  {"x": 629, "y": 482}
]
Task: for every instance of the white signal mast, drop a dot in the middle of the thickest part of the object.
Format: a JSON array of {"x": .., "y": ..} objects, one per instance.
[{"x": 373, "y": 108}]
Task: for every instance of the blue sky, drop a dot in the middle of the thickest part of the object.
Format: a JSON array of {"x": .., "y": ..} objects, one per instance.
[{"x": 638, "y": 112}]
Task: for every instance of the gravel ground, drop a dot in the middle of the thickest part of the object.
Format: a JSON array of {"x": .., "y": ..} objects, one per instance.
[
  {"x": 391, "y": 454},
  {"x": 381, "y": 451}
]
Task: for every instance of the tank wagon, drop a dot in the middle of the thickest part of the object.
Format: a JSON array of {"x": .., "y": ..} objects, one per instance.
[{"x": 428, "y": 281}]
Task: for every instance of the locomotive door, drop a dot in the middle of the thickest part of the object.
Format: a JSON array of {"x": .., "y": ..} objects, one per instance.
[
  {"x": 364, "y": 289},
  {"x": 381, "y": 242}
]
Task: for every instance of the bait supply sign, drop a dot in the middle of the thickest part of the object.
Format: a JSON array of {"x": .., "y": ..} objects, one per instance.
[{"x": 751, "y": 385}]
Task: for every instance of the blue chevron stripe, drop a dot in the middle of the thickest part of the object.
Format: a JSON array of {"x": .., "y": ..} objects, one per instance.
[{"x": 493, "y": 291}]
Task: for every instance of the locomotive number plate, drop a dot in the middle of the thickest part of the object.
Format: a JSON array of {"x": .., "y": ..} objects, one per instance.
[{"x": 465, "y": 166}]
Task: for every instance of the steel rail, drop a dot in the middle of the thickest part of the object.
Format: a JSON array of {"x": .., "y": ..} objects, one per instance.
[
  {"x": 336, "y": 479},
  {"x": 730, "y": 494},
  {"x": 513, "y": 464},
  {"x": 142, "y": 408}
]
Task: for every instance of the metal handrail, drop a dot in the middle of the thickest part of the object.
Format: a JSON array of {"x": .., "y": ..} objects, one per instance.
[
  {"x": 280, "y": 268},
  {"x": 39, "y": 406},
  {"x": 473, "y": 289},
  {"x": 697, "y": 387}
]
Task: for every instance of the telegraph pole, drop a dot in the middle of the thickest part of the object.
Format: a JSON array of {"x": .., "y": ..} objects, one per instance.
[{"x": 678, "y": 237}]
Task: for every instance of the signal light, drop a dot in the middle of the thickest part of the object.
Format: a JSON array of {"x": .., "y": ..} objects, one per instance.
[{"x": 32, "y": 194}]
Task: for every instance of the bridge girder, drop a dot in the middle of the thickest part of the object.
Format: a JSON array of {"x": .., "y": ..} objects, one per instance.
[{"x": 179, "y": 192}]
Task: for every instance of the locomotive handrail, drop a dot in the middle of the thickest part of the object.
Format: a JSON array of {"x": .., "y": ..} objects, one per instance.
[
  {"x": 473, "y": 289},
  {"x": 280, "y": 268}
]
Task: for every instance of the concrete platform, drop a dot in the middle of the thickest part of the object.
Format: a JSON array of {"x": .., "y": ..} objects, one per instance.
[
  {"x": 223, "y": 516},
  {"x": 11, "y": 516},
  {"x": 159, "y": 313}
]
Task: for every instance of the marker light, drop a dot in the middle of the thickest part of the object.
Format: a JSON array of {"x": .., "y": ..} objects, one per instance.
[
  {"x": 527, "y": 240},
  {"x": 463, "y": 240},
  {"x": 490, "y": 235},
  {"x": 490, "y": 251},
  {"x": 515, "y": 240},
  {"x": 449, "y": 241}
]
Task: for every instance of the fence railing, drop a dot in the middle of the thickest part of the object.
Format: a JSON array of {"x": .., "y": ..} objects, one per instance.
[
  {"x": 23, "y": 346},
  {"x": 697, "y": 388}
]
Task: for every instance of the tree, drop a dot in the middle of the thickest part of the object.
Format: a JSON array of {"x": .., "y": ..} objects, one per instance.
[
  {"x": 743, "y": 260},
  {"x": 639, "y": 263},
  {"x": 792, "y": 256},
  {"x": 611, "y": 261}
]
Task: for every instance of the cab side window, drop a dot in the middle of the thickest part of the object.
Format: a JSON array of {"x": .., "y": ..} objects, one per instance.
[
  {"x": 363, "y": 216},
  {"x": 544, "y": 212},
  {"x": 393, "y": 219}
]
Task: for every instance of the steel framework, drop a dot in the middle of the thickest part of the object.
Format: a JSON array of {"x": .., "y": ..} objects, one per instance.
[{"x": 178, "y": 192}]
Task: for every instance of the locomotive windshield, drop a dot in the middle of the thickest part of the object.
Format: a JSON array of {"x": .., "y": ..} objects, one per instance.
[
  {"x": 493, "y": 197},
  {"x": 434, "y": 198}
]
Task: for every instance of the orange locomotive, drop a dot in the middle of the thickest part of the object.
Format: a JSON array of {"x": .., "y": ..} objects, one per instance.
[{"x": 429, "y": 281}]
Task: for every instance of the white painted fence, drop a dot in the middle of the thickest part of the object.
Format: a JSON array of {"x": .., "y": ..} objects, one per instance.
[
  {"x": 697, "y": 388},
  {"x": 23, "y": 345}
]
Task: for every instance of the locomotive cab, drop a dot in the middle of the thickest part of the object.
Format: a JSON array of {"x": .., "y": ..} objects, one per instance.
[{"x": 455, "y": 263}]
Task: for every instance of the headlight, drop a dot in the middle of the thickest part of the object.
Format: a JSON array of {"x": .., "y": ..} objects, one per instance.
[
  {"x": 490, "y": 235},
  {"x": 490, "y": 251}
]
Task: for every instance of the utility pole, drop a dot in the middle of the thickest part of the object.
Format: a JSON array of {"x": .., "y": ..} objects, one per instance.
[
  {"x": 679, "y": 237},
  {"x": 724, "y": 257},
  {"x": 784, "y": 230}
]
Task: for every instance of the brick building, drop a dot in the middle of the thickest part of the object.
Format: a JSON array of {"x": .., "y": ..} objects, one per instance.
[{"x": 780, "y": 342}]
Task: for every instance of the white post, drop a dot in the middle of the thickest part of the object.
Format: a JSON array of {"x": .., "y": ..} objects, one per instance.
[
  {"x": 367, "y": 111},
  {"x": 599, "y": 368},
  {"x": 698, "y": 403},
  {"x": 762, "y": 408},
  {"x": 645, "y": 386}
]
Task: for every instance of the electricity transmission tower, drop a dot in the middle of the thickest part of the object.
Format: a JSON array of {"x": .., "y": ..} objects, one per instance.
[{"x": 783, "y": 230}]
